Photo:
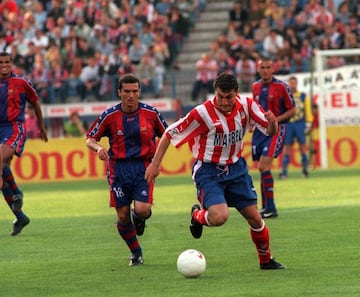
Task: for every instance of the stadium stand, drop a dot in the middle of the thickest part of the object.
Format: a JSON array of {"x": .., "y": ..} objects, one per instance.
[
  {"x": 52, "y": 40},
  {"x": 42, "y": 35},
  {"x": 288, "y": 31}
]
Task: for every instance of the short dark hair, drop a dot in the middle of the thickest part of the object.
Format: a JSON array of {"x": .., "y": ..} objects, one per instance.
[
  {"x": 263, "y": 58},
  {"x": 128, "y": 79},
  {"x": 5, "y": 54},
  {"x": 226, "y": 82}
]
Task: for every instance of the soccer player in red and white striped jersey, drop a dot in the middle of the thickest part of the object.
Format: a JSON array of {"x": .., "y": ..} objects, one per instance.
[{"x": 215, "y": 131}]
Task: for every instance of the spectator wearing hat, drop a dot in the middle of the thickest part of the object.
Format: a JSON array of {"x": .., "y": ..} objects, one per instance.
[
  {"x": 8, "y": 6},
  {"x": 95, "y": 35}
]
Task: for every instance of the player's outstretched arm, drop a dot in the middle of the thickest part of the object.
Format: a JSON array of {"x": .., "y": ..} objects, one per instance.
[{"x": 153, "y": 169}]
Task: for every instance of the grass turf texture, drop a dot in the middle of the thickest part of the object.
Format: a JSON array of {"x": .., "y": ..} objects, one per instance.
[{"x": 71, "y": 248}]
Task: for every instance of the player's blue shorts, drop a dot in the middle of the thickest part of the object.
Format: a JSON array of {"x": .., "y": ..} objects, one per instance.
[
  {"x": 229, "y": 184},
  {"x": 295, "y": 131},
  {"x": 127, "y": 183},
  {"x": 13, "y": 135},
  {"x": 270, "y": 146}
]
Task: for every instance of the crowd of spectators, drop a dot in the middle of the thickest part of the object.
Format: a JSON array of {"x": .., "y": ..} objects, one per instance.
[
  {"x": 81, "y": 47},
  {"x": 288, "y": 31}
]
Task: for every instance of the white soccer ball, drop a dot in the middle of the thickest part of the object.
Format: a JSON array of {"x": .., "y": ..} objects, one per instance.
[{"x": 191, "y": 263}]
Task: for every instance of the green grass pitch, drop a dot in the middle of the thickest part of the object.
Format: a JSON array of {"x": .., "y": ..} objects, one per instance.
[{"x": 71, "y": 248}]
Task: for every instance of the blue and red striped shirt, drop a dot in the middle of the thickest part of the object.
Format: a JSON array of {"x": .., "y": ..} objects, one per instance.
[
  {"x": 15, "y": 91},
  {"x": 131, "y": 135},
  {"x": 275, "y": 96}
]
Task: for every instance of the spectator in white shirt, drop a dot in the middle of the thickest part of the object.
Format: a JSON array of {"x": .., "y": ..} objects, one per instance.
[
  {"x": 41, "y": 40},
  {"x": 89, "y": 79},
  {"x": 273, "y": 43}
]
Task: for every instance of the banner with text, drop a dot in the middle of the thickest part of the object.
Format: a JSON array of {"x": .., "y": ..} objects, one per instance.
[
  {"x": 341, "y": 86},
  {"x": 70, "y": 159}
]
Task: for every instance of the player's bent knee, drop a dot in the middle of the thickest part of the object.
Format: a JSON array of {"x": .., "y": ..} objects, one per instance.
[
  {"x": 143, "y": 212},
  {"x": 218, "y": 219}
]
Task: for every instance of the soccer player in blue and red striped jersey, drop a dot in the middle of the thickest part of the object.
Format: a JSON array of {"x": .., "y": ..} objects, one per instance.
[
  {"x": 215, "y": 131},
  {"x": 131, "y": 127},
  {"x": 15, "y": 92},
  {"x": 272, "y": 94}
]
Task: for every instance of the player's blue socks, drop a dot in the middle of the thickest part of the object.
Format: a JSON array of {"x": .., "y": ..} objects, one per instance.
[
  {"x": 128, "y": 234},
  {"x": 8, "y": 196},
  {"x": 8, "y": 178},
  {"x": 268, "y": 188},
  {"x": 304, "y": 162}
]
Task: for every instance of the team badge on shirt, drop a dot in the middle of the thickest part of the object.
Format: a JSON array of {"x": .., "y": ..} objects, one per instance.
[{"x": 174, "y": 132}]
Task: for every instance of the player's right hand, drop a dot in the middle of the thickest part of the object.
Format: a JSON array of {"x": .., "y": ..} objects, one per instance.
[
  {"x": 102, "y": 153},
  {"x": 151, "y": 173}
]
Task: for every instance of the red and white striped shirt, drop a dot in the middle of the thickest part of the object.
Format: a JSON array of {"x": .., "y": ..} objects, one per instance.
[{"x": 214, "y": 136}]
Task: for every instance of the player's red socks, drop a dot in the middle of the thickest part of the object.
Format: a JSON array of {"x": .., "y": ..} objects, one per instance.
[
  {"x": 199, "y": 216},
  {"x": 261, "y": 239}
]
